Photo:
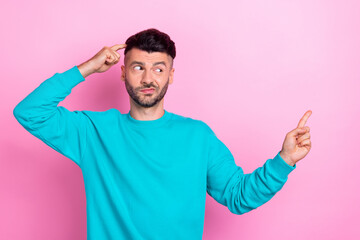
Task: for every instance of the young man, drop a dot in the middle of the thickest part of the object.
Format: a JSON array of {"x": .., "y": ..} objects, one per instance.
[{"x": 146, "y": 172}]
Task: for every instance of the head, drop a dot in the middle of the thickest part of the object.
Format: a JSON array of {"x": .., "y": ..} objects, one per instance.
[{"x": 148, "y": 63}]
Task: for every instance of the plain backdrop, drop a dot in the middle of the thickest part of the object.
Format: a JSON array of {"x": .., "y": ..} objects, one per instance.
[{"x": 249, "y": 69}]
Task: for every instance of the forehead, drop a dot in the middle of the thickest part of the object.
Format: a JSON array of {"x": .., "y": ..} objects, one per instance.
[{"x": 136, "y": 54}]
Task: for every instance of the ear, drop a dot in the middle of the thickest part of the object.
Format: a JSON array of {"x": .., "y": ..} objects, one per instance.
[
  {"x": 171, "y": 76},
  {"x": 123, "y": 73}
]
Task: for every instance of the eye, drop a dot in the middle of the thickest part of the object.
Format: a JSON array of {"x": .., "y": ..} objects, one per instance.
[
  {"x": 137, "y": 66},
  {"x": 159, "y": 69}
]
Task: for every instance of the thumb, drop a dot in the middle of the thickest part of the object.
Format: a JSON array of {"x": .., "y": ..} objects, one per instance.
[{"x": 297, "y": 131}]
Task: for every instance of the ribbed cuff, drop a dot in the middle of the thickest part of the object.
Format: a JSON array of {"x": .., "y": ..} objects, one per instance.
[
  {"x": 280, "y": 167},
  {"x": 71, "y": 77}
]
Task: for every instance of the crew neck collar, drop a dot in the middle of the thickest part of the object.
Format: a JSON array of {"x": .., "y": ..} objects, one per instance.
[{"x": 148, "y": 123}]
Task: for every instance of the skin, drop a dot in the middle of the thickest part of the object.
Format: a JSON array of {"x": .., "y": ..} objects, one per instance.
[
  {"x": 136, "y": 77},
  {"x": 145, "y": 107},
  {"x": 297, "y": 142},
  {"x": 147, "y": 74}
]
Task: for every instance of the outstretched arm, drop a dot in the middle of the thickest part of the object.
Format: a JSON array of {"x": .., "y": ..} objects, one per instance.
[{"x": 241, "y": 193}]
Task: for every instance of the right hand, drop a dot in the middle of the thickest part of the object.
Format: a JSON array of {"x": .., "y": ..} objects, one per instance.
[
  {"x": 106, "y": 58},
  {"x": 102, "y": 61}
]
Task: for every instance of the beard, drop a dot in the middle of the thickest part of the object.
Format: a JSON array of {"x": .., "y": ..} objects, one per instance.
[{"x": 146, "y": 100}]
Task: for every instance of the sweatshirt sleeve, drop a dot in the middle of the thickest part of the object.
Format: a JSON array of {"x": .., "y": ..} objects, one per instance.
[
  {"x": 241, "y": 193},
  {"x": 56, "y": 126}
]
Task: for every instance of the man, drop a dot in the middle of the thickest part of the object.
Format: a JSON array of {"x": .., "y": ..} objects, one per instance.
[{"x": 146, "y": 173}]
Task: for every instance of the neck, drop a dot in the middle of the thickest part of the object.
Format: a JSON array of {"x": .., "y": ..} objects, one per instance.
[{"x": 145, "y": 114}]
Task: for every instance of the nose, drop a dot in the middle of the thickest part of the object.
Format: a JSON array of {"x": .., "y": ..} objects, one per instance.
[{"x": 146, "y": 78}]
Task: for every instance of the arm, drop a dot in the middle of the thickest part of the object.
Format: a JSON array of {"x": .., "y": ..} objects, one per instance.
[
  {"x": 59, "y": 128},
  {"x": 241, "y": 193}
]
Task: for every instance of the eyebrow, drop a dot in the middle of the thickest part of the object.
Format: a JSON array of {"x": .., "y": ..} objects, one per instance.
[{"x": 141, "y": 63}]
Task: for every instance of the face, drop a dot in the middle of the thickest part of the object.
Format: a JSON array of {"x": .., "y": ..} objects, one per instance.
[{"x": 145, "y": 70}]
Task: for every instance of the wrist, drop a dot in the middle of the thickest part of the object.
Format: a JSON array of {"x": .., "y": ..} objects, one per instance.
[
  {"x": 86, "y": 69},
  {"x": 286, "y": 158}
]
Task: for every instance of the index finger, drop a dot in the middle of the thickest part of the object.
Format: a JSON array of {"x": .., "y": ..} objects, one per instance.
[
  {"x": 118, "y": 46},
  {"x": 303, "y": 120}
]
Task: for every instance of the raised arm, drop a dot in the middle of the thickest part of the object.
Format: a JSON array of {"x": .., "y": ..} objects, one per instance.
[
  {"x": 63, "y": 130},
  {"x": 59, "y": 128}
]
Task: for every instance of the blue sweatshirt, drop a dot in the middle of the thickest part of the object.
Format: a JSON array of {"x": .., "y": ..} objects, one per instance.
[{"x": 145, "y": 179}]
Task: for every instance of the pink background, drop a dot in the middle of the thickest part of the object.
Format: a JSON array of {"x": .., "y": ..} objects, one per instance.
[{"x": 250, "y": 69}]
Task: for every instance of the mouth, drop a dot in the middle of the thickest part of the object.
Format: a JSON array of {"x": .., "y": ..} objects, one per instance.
[{"x": 147, "y": 90}]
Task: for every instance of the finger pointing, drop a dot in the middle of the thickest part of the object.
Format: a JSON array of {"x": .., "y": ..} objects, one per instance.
[
  {"x": 118, "y": 46},
  {"x": 303, "y": 120}
]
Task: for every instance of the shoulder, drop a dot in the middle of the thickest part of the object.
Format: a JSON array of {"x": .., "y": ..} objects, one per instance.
[
  {"x": 193, "y": 123},
  {"x": 101, "y": 115}
]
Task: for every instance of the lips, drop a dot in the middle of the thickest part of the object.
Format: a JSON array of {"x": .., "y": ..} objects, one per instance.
[{"x": 147, "y": 90}]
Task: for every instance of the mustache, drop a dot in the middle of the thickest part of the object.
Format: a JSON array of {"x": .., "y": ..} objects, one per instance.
[{"x": 146, "y": 86}]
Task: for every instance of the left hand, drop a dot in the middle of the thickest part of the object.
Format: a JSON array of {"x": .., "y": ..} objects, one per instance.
[{"x": 297, "y": 142}]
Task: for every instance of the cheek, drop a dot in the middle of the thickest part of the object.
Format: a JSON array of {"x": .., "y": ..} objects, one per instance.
[{"x": 133, "y": 78}]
